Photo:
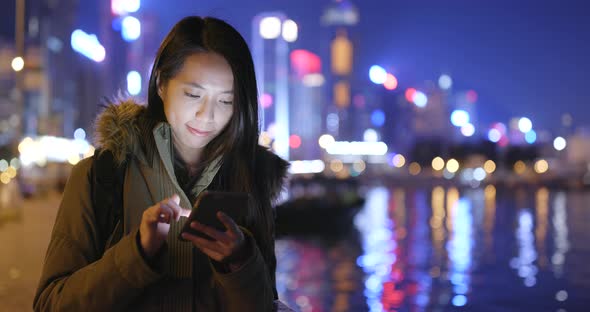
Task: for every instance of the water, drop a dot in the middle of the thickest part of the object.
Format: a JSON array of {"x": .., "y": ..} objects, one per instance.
[{"x": 447, "y": 249}]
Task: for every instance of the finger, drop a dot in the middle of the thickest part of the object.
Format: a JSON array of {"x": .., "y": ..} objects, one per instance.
[
  {"x": 173, "y": 202},
  {"x": 228, "y": 222},
  {"x": 211, "y": 232},
  {"x": 174, "y": 208},
  {"x": 213, "y": 254},
  {"x": 204, "y": 244},
  {"x": 163, "y": 213}
]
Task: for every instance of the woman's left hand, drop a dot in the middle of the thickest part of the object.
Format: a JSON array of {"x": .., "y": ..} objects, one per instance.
[{"x": 226, "y": 247}]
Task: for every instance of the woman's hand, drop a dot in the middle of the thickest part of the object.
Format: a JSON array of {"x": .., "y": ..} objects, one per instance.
[
  {"x": 226, "y": 247},
  {"x": 155, "y": 224}
]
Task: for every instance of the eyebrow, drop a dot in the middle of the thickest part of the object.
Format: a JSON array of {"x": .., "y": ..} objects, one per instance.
[{"x": 196, "y": 85}]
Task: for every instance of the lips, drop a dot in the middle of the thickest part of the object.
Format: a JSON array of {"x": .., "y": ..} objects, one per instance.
[{"x": 198, "y": 132}]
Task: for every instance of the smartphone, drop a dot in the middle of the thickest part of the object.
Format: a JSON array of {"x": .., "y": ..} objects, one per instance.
[{"x": 208, "y": 203}]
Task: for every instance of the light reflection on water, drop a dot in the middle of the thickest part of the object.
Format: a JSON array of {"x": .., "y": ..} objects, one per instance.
[{"x": 445, "y": 249}]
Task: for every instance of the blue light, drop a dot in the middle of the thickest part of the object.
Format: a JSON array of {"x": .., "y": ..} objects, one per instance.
[
  {"x": 87, "y": 45},
  {"x": 377, "y": 74},
  {"x": 79, "y": 134},
  {"x": 133, "y": 82},
  {"x": 530, "y": 137},
  {"x": 131, "y": 28},
  {"x": 117, "y": 24},
  {"x": 459, "y": 300},
  {"x": 494, "y": 135},
  {"x": 378, "y": 118},
  {"x": 459, "y": 118},
  {"x": 420, "y": 99}
]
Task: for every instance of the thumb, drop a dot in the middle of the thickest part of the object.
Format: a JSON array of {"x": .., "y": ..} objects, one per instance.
[
  {"x": 183, "y": 212},
  {"x": 176, "y": 199}
]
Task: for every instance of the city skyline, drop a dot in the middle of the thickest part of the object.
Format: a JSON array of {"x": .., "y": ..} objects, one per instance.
[{"x": 522, "y": 60}]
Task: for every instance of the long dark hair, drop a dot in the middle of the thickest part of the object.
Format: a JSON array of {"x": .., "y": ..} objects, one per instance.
[{"x": 237, "y": 143}]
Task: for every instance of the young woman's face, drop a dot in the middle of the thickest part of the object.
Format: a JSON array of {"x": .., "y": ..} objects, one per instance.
[{"x": 198, "y": 101}]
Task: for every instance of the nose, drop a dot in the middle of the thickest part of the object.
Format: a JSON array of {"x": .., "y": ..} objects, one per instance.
[{"x": 206, "y": 110}]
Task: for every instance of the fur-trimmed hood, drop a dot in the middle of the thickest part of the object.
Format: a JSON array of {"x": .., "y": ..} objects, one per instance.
[{"x": 124, "y": 128}]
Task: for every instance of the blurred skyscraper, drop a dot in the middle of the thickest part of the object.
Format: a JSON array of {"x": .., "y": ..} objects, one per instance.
[
  {"x": 271, "y": 34},
  {"x": 307, "y": 101},
  {"x": 339, "y": 19}
]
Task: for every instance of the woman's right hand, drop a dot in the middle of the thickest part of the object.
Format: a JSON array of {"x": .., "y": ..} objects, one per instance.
[{"x": 155, "y": 224}]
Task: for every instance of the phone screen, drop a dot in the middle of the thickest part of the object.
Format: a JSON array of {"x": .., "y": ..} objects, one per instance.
[{"x": 233, "y": 204}]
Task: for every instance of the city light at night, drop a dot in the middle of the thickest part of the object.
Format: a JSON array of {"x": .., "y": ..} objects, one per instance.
[
  {"x": 133, "y": 82},
  {"x": 290, "y": 31},
  {"x": 122, "y": 7},
  {"x": 325, "y": 140},
  {"x": 559, "y": 143},
  {"x": 452, "y": 165},
  {"x": 378, "y": 118},
  {"x": 130, "y": 28},
  {"x": 270, "y": 27},
  {"x": 530, "y": 137},
  {"x": 390, "y": 82},
  {"x": 415, "y": 156},
  {"x": 18, "y": 64},
  {"x": 438, "y": 163},
  {"x": 445, "y": 82},
  {"x": 525, "y": 125},
  {"x": 420, "y": 99},
  {"x": 357, "y": 148},
  {"x": 377, "y": 74},
  {"x": 459, "y": 118},
  {"x": 87, "y": 45},
  {"x": 494, "y": 135},
  {"x": 468, "y": 130}
]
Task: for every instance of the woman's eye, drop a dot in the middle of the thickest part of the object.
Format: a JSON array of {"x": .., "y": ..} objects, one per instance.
[
  {"x": 194, "y": 96},
  {"x": 227, "y": 102}
]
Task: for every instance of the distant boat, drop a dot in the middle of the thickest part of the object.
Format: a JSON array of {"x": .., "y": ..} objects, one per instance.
[{"x": 328, "y": 212}]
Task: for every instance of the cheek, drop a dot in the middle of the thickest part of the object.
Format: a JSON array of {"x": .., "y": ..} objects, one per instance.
[
  {"x": 224, "y": 117},
  {"x": 176, "y": 111}
]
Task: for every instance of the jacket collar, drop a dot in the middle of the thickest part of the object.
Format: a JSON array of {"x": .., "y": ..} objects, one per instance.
[{"x": 162, "y": 134}]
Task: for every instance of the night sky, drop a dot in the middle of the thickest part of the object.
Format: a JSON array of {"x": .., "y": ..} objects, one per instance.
[{"x": 524, "y": 59}]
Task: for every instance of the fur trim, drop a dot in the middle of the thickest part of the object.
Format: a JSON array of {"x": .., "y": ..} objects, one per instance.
[
  {"x": 271, "y": 171},
  {"x": 117, "y": 128}
]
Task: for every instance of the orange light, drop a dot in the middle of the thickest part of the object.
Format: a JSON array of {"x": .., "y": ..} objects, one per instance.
[{"x": 390, "y": 82}]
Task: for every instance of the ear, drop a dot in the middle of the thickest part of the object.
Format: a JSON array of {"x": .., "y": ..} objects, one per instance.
[{"x": 159, "y": 86}]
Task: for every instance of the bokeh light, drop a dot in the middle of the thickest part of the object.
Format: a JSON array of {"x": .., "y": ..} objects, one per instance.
[
  {"x": 559, "y": 143},
  {"x": 414, "y": 168},
  {"x": 459, "y": 118},
  {"x": 541, "y": 166},
  {"x": 494, "y": 135},
  {"x": 325, "y": 140},
  {"x": 390, "y": 82},
  {"x": 489, "y": 166},
  {"x": 525, "y": 125},
  {"x": 378, "y": 118},
  {"x": 468, "y": 130},
  {"x": 377, "y": 74},
  {"x": 452, "y": 165},
  {"x": 398, "y": 160},
  {"x": 438, "y": 163},
  {"x": 420, "y": 99},
  {"x": 370, "y": 135},
  {"x": 519, "y": 167},
  {"x": 445, "y": 82}
]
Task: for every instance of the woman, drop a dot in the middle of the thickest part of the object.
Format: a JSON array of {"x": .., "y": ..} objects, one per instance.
[{"x": 199, "y": 131}]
